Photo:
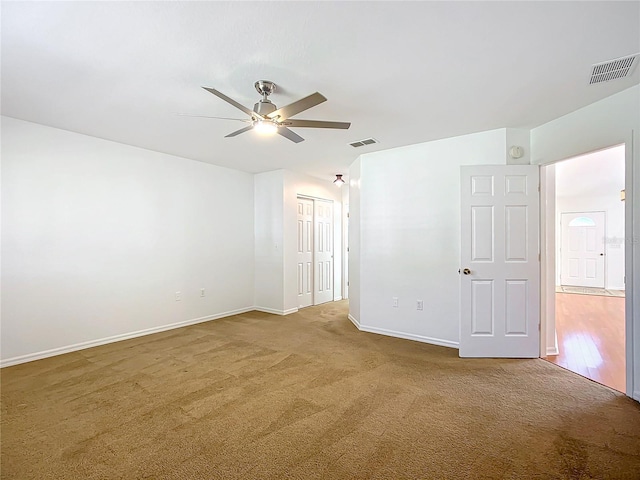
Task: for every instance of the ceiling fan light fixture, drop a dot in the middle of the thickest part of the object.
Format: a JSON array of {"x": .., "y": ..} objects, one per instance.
[
  {"x": 338, "y": 182},
  {"x": 265, "y": 127},
  {"x": 267, "y": 119}
]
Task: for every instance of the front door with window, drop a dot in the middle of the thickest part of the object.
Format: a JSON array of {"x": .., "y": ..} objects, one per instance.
[{"x": 582, "y": 251}]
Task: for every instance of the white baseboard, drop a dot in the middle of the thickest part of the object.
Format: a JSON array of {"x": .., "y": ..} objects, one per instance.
[
  {"x": 409, "y": 336},
  {"x": 354, "y": 321},
  {"x": 274, "y": 311},
  {"x": 337, "y": 299},
  {"x": 553, "y": 349},
  {"x": 636, "y": 395},
  {"x": 116, "y": 338}
]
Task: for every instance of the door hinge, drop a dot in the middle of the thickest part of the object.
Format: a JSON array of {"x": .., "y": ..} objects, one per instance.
[
  {"x": 347, "y": 284},
  {"x": 538, "y": 187},
  {"x": 347, "y": 214},
  {"x": 539, "y": 257},
  {"x": 539, "y": 327}
]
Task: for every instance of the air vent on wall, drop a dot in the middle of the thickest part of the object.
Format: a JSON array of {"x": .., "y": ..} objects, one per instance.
[
  {"x": 362, "y": 143},
  {"x": 612, "y": 69}
]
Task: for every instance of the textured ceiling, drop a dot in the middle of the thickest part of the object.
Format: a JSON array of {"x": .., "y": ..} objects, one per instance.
[{"x": 401, "y": 72}]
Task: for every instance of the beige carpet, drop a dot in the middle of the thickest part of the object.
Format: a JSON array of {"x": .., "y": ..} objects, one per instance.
[{"x": 307, "y": 396}]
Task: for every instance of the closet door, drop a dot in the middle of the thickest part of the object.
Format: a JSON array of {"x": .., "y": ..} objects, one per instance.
[
  {"x": 305, "y": 252},
  {"x": 323, "y": 258}
]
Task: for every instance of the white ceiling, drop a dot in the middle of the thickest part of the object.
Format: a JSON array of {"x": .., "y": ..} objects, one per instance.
[
  {"x": 593, "y": 175},
  {"x": 401, "y": 72}
]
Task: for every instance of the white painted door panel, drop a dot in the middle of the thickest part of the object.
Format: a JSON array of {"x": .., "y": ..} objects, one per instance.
[
  {"x": 582, "y": 251},
  {"x": 323, "y": 259},
  {"x": 305, "y": 252},
  {"x": 500, "y": 269}
]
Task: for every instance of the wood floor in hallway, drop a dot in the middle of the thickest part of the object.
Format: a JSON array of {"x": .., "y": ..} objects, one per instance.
[{"x": 591, "y": 330}]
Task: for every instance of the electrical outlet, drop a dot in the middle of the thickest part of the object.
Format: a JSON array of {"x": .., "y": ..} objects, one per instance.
[
  {"x": 178, "y": 296},
  {"x": 395, "y": 302},
  {"x": 202, "y": 292},
  {"x": 420, "y": 305}
]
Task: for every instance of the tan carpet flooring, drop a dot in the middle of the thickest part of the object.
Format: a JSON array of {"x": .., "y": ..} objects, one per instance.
[{"x": 307, "y": 396}]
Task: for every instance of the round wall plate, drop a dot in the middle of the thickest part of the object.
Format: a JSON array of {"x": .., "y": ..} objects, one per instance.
[{"x": 516, "y": 152}]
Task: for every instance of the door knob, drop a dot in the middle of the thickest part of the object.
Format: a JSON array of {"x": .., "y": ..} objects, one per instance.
[
  {"x": 602, "y": 254},
  {"x": 466, "y": 271}
]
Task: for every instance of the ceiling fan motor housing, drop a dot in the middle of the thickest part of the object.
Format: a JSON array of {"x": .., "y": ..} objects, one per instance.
[{"x": 264, "y": 107}]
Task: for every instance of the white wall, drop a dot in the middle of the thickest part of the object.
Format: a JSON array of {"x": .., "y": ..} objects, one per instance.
[
  {"x": 269, "y": 241},
  {"x": 612, "y": 121},
  {"x": 409, "y": 229},
  {"x": 354, "y": 241},
  {"x": 276, "y": 236},
  {"x": 518, "y": 137},
  {"x": 97, "y": 237}
]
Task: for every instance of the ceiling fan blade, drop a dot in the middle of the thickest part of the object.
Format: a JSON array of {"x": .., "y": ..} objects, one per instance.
[
  {"x": 316, "y": 124},
  {"x": 297, "y": 107},
  {"x": 294, "y": 137},
  {"x": 219, "y": 118},
  {"x": 221, "y": 95},
  {"x": 238, "y": 132}
]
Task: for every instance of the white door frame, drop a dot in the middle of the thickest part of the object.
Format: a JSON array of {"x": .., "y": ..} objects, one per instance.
[
  {"x": 345, "y": 251},
  {"x": 548, "y": 341}
]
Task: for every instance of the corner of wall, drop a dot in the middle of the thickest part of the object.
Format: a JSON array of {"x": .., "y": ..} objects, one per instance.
[{"x": 269, "y": 241}]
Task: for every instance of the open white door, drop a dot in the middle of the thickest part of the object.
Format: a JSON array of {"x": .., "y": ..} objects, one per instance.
[{"x": 500, "y": 266}]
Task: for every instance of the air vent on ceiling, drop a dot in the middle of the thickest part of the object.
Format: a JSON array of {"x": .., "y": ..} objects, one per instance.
[
  {"x": 362, "y": 143},
  {"x": 612, "y": 69}
]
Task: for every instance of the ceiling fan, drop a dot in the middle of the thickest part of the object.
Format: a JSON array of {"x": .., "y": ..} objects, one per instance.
[{"x": 267, "y": 118}]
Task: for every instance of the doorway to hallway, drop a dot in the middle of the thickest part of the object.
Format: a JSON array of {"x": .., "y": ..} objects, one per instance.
[{"x": 589, "y": 218}]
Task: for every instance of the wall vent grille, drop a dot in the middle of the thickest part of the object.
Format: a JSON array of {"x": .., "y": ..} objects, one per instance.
[
  {"x": 613, "y": 69},
  {"x": 362, "y": 143}
]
